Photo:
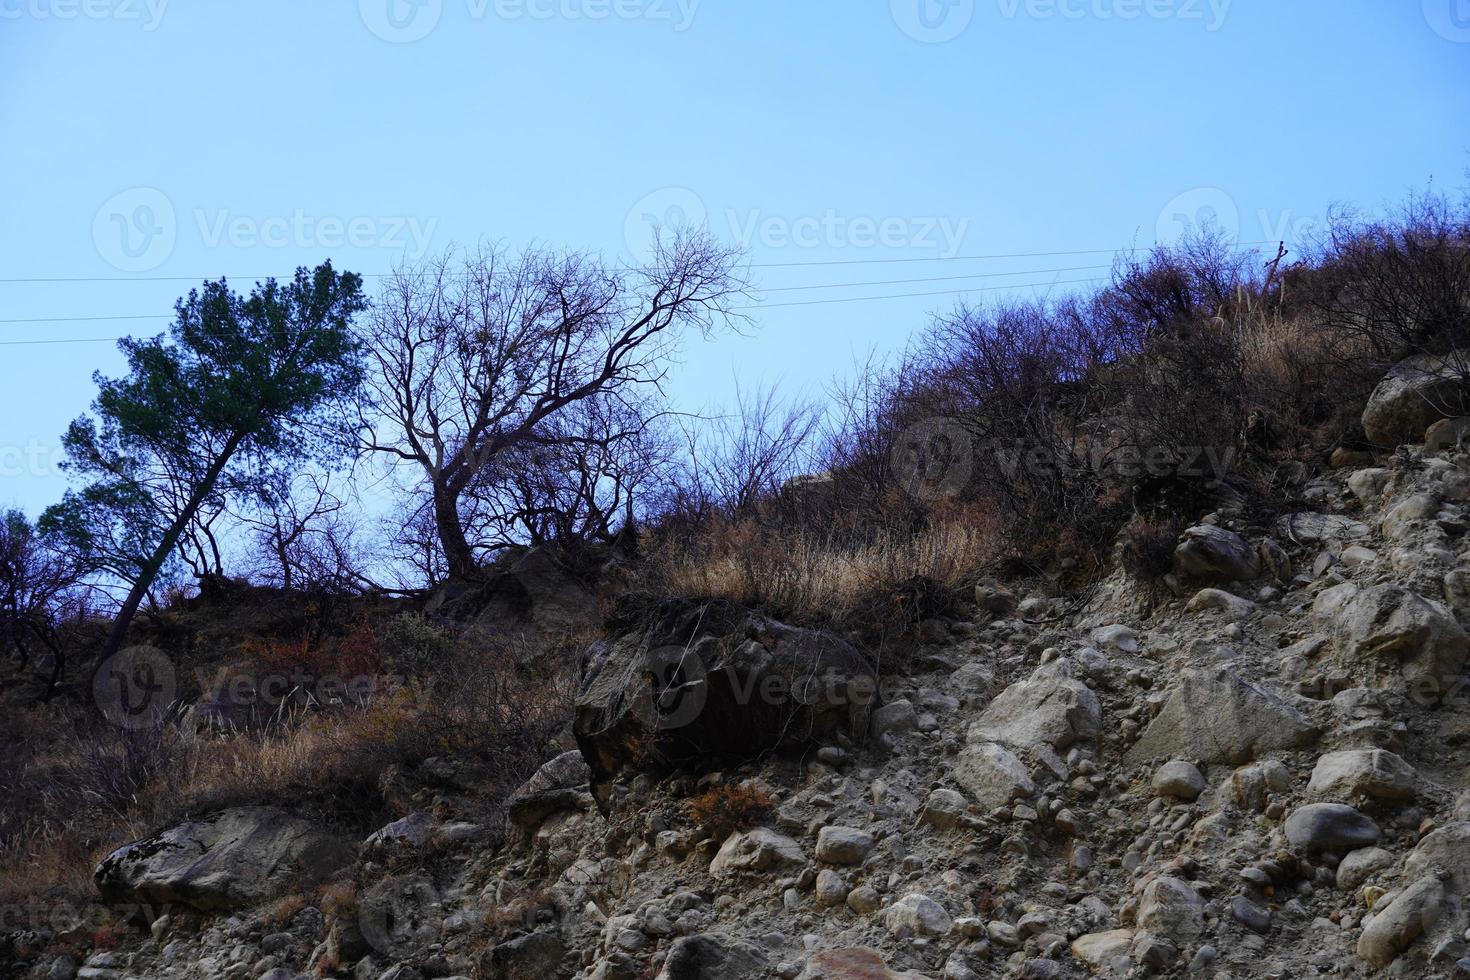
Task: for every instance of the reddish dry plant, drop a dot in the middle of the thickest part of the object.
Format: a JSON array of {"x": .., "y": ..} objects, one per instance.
[{"x": 724, "y": 810}]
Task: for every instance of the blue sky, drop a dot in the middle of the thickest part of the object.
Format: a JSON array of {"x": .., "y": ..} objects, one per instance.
[{"x": 148, "y": 144}]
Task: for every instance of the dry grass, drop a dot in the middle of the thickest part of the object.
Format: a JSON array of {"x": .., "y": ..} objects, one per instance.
[
  {"x": 76, "y": 788},
  {"x": 814, "y": 577}
]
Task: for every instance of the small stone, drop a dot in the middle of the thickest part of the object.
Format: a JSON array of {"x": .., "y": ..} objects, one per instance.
[{"x": 1179, "y": 779}]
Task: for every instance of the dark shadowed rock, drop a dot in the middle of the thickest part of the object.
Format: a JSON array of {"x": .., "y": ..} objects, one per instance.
[
  {"x": 1330, "y": 827},
  {"x": 234, "y": 858},
  {"x": 705, "y": 682},
  {"x": 713, "y": 956},
  {"x": 560, "y": 784},
  {"x": 537, "y": 956},
  {"x": 1215, "y": 554}
]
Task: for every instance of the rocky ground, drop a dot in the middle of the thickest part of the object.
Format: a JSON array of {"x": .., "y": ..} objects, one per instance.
[{"x": 1261, "y": 774}]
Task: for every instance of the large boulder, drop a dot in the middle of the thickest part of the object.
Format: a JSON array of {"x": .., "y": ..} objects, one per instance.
[
  {"x": 1050, "y": 708},
  {"x": 1415, "y": 394},
  {"x": 707, "y": 683},
  {"x": 1389, "y": 622},
  {"x": 1218, "y": 716},
  {"x": 1214, "y": 554},
  {"x": 234, "y": 858}
]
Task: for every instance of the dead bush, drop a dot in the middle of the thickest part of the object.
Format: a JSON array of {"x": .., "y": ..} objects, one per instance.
[{"x": 726, "y": 809}]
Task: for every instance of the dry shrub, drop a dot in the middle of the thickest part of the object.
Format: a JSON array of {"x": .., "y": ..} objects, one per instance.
[
  {"x": 75, "y": 787},
  {"x": 1148, "y": 547},
  {"x": 724, "y": 810},
  {"x": 823, "y": 578},
  {"x": 519, "y": 913}
]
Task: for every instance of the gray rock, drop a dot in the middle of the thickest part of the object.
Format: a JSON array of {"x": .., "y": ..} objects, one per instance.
[
  {"x": 714, "y": 956},
  {"x": 1414, "y": 912},
  {"x": 1179, "y": 779},
  {"x": 233, "y": 858},
  {"x": 992, "y": 775},
  {"x": 1050, "y": 708},
  {"x": 1415, "y": 394},
  {"x": 560, "y": 784},
  {"x": 1218, "y": 716},
  {"x": 1389, "y": 622},
  {"x": 1210, "y": 553},
  {"x": 1372, "y": 773},
  {"x": 1330, "y": 827},
  {"x": 758, "y": 850}
]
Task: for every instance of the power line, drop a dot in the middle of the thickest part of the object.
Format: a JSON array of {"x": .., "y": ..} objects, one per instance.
[
  {"x": 750, "y": 265},
  {"x": 776, "y": 289},
  {"x": 938, "y": 292},
  {"x": 754, "y": 306},
  {"x": 898, "y": 282}
]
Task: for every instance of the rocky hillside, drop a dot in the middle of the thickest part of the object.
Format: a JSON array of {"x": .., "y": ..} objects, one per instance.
[{"x": 1257, "y": 771}]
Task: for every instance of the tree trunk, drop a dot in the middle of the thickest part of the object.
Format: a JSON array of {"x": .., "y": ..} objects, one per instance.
[
  {"x": 154, "y": 562},
  {"x": 458, "y": 555}
]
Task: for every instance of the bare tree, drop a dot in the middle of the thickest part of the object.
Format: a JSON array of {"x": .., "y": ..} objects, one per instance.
[
  {"x": 305, "y": 539},
  {"x": 586, "y": 478},
  {"x": 477, "y": 358},
  {"x": 741, "y": 458},
  {"x": 38, "y": 588}
]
